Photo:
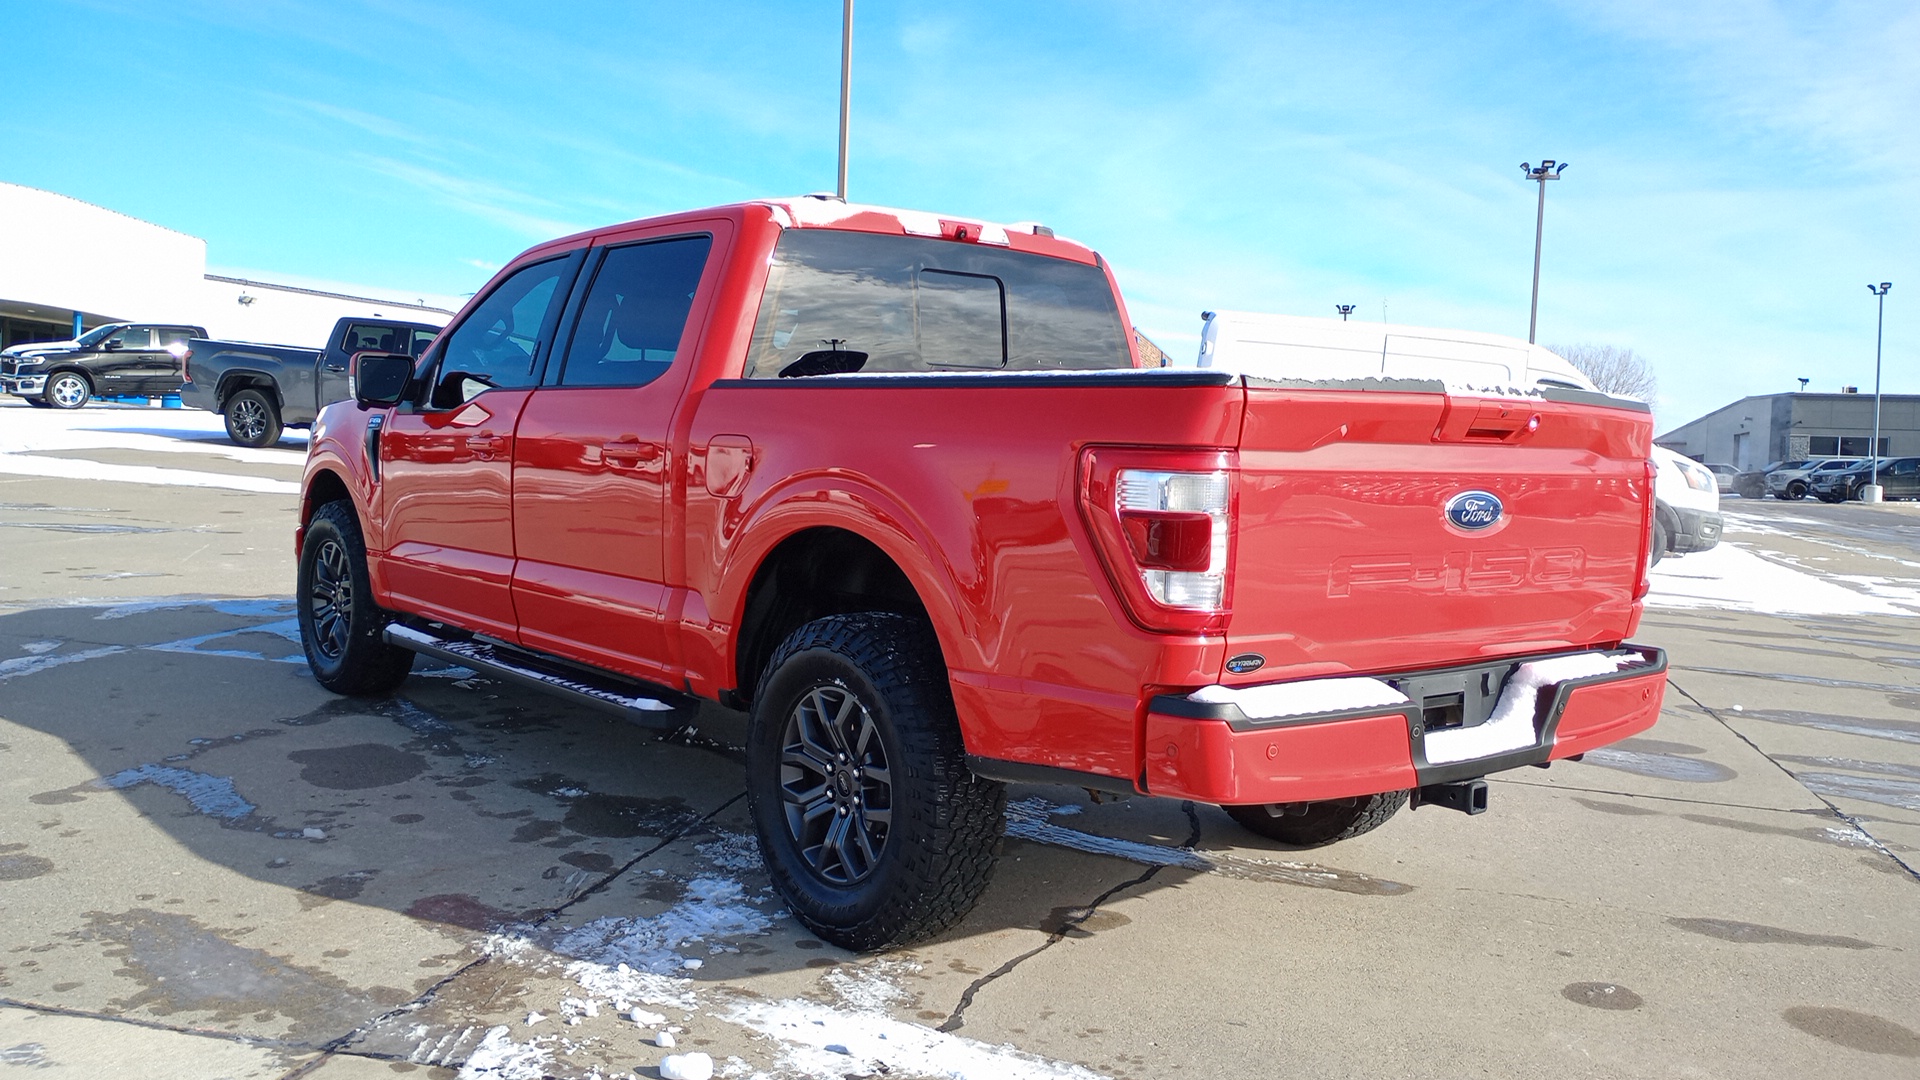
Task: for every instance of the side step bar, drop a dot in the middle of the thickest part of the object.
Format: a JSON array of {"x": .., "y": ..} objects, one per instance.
[{"x": 639, "y": 702}]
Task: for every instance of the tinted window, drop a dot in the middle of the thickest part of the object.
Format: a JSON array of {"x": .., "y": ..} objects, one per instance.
[
  {"x": 134, "y": 337},
  {"x": 373, "y": 337},
  {"x": 174, "y": 335},
  {"x": 635, "y": 312},
  {"x": 915, "y": 304},
  {"x": 422, "y": 339},
  {"x": 498, "y": 341}
]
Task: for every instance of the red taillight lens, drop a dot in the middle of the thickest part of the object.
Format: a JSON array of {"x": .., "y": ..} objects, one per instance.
[
  {"x": 1162, "y": 541},
  {"x": 1163, "y": 520},
  {"x": 186, "y": 365}
]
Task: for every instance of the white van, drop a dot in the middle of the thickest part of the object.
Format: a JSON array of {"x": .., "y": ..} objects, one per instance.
[
  {"x": 1686, "y": 505},
  {"x": 1299, "y": 347}
]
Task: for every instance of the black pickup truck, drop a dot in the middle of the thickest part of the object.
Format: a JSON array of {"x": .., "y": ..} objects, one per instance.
[
  {"x": 118, "y": 359},
  {"x": 261, "y": 389}
]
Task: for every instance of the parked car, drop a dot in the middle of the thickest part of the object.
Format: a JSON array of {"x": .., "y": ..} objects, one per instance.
[
  {"x": 1792, "y": 479},
  {"x": 1752, "y": 484},
  {"x": 131, "y": 359},
  {"x": 1686, "y": 506},
  {"x": 262, "y": 389},
  {"x": 1899, "y": 479},
  {"x": 1725, "y": 477},
  {"x": 897, "y": 485}
]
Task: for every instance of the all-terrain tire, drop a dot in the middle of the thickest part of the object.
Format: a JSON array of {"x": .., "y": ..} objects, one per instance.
[
  {"x": 1324, "y": 822},
  {"x": 340, "y": 626},
  {"x": 252, "y": 419},
  {"x": 873, "y": 828},
  {"x": 67, "y": 390}
]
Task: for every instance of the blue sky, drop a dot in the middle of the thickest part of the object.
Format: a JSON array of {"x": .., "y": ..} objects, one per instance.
[{"x": 1740, "y": 168}]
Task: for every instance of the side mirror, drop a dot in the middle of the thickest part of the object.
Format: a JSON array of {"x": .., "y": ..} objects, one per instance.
[
  {"x": 114, "y": 344},
  {"x": 379, "y": 380}
]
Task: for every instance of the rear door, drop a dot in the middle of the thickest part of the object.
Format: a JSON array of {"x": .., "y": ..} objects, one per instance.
[
  {"x": 446, "y": 468},
  {"x": 1384, "y": 531},
  {"x": 595, "y": 461}
]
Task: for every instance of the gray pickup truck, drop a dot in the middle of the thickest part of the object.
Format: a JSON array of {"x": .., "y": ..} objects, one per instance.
[{"x": 262, "y": 389}]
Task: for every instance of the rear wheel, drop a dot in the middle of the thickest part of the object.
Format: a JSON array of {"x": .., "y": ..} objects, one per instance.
[
  {"x": 68, "y": 390},
  {"x": 1795, "y": 491},
  {"x": 252, "y": 419},
  {"x": 873, "y": 829},
  {"x": 1318, "y": 823},
  {"x": 340, "y": 626}
]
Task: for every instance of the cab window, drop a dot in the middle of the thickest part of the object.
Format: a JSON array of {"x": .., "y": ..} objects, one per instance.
[
  {"x": 635, "y": 313},
  {"x": 498, "y": 343},
  {"x": 134, "y": 337}
]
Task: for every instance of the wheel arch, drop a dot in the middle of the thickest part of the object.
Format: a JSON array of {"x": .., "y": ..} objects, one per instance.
[
  {"x": 93, "y": 386},
  {"x": 232, "y": 382},
  {"x": 809, "y": 573}
]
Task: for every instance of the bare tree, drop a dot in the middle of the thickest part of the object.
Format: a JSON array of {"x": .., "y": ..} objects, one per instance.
[{"x": 1614, "y": 370}]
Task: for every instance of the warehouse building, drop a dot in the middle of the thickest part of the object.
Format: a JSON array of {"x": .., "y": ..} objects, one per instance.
[
  {"x": 67, "y": 266},
  {"x": 1765, "y": 428}
]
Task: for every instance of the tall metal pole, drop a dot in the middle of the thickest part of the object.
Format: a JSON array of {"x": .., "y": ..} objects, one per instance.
[
  {"x": 846, "y": 89},
  {"x": 1879, "y": 330},
  {"x": 1548, "y": 170}
]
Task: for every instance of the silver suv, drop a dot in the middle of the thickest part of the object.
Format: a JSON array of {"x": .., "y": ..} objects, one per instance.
[{"x": 1794, "y": 483}]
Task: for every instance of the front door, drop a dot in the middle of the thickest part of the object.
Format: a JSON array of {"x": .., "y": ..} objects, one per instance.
[
  {"x": 446, "y": 466},
  {"x": 594, "y": 465},
  {"x": 123, "y": 363}
]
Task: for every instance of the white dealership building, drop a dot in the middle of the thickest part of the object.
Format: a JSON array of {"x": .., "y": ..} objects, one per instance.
[{"x": 67, "y": 265}]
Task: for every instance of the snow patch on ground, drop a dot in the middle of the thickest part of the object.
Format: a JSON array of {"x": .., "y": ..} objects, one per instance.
[
  {"x": 873, "y": 986},
  {"x": 498, "y": 1057},
  {"x": 822, "y": 1043},
  {"x": 29, "y": 434},
  {"x": 731, "y": 851},
  {"x": 1729, "y": 577},
  {"x": 214, "y": 796}
]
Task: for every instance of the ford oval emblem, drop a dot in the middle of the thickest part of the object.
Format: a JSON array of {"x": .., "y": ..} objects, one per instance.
[{"x": 1475, "y": 511}]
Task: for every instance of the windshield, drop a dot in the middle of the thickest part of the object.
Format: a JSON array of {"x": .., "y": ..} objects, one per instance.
[{"x": 99, "y": 333}]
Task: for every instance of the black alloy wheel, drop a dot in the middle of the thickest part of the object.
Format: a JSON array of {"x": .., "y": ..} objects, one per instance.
[
  {"x": 341, "y": 628},
  {"x": 835, "y": 785}
]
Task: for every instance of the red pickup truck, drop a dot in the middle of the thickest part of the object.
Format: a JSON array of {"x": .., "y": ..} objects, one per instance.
[{"x": 896, "y": 485}]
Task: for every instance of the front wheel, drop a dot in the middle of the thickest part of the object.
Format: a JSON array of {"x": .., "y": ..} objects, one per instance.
[
  {"x": 1316, "y": 824},
  {"x": 1796, "y": 491},
  {"x": 252, "y": 419},
  {"x": 340, "y": 626},
  {"x": 873, "y": 829},
  {"x": 68, "y": 390}
]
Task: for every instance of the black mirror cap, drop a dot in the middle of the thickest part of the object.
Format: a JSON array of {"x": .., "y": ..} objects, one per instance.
[{"x": 380, "y": 379}]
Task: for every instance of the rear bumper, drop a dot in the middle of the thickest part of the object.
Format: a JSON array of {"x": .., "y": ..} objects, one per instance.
[{"x": 1216, "y": 753}]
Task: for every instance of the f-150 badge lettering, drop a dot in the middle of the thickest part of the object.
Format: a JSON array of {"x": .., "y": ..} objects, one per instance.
[{"x": 1474, "y": 510}]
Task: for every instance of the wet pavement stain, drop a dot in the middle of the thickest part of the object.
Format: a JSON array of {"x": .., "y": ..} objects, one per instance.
[
  {"x": 1905, "y": 731},
  {"x": 1838, "y": 834},
  {"x": 1601, "y": 995},
  {"x": 1904, "y": 794},
  {"x": 1854, "y": 1030},
  {"x": 1068, "y": 921},
  {"x": 184, "y": 966},
  {"x": 1660, "y": 766},
  {"x": 620, "y": 816},
  {"x": 534, "y": 831},
  {"x": 591, "y": 861},
  {"x": 458, "y": 909},
  {"x": 22, "y": 867},
  {"x": 357, "y": 767},
  {"x": 345, "y": 886},
  {"x": 1753, "y": 933}
]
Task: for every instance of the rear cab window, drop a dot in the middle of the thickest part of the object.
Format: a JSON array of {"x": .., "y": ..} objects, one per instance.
[{"x": 840, "y": 302}]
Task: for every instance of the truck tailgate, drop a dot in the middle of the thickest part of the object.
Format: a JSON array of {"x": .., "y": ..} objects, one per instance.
[{"x": 1348, "y": 558}]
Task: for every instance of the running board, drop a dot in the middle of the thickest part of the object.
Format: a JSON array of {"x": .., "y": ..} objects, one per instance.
[{"x": 650, "y": 706}]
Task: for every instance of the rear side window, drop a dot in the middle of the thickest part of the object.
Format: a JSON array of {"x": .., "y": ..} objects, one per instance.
[
  {"x": 422, "y": 339},
  {"x": 635, "y": 313},
  {"x": 844, "y": 301},
  {"x": 174, "y": 335}
]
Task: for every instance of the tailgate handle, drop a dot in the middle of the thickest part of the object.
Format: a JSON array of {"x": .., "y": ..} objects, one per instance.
[{"x": 1487, "y": 422}]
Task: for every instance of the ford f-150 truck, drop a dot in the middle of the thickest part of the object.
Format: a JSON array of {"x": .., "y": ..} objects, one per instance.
[
  {"x": 895, "y": 485},
  {"x": 261, "y": 389}
]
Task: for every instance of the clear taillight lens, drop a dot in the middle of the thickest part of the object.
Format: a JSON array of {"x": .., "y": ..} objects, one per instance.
[{"x": 1176, "y": 525}]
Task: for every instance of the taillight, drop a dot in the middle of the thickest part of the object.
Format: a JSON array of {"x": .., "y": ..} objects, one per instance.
[
  {"x": 186, "y": 365},
  {"x": 1164, "y": 523}
]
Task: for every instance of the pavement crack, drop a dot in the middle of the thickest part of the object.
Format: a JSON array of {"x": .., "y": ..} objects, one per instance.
[
  {"x": 155, "y": 1025},
  {"x": 958, "y": 1018},
  {"x": 1856, "y": 823}
]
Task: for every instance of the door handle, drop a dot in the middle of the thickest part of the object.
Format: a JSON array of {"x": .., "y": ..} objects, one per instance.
[
  {"x": 627, "y": 455},
  {"x": 485, "y": 446}
]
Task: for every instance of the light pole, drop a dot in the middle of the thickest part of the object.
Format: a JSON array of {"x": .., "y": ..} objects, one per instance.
[
  {"x": 846, "y": 89},
  {"x": 1344, "y": 310},
  {"x": 1879, "y": 330},
  {"x": 1548, "y": 170}
]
